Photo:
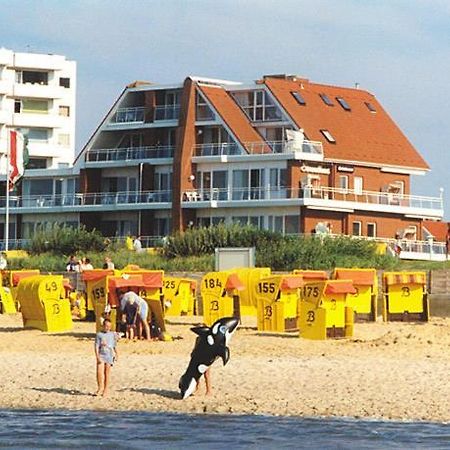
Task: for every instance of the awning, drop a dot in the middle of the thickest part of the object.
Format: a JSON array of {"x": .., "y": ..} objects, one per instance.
[
  {"x": 309, "y": 275},
  {"x": 96, "y": 274},
  {"x": 358, "y": 277},
  {"x": 23, "y": 274},
  {"x": 339, "y": 287},
  {"x": 292, "y": 282},
  {"x": 405, "y": 278},
  {"x": 234, "y": 282}
]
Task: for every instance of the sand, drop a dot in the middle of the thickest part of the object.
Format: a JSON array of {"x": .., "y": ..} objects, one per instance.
[{"x": 389, "y": 371}]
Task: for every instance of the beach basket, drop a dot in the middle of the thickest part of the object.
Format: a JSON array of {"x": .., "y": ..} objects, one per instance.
[
  {"x": 324, "y": 310},
  {"x": 41, "y": 304},
  {"x": 220, "y": 295},
  {"x": 405, "y": 297},
  {"x": 7, "y": 304},
  {"x": 364, "y": 300},
  {"x": 277, "y": 299},
  {"x": 179, "y": 296}
]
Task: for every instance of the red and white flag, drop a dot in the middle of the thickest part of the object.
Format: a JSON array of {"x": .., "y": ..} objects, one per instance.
[{"x": 16, "y": 163}]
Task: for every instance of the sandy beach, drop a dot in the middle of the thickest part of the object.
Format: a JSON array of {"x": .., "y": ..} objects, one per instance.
[{"x": 390, "y": 371}]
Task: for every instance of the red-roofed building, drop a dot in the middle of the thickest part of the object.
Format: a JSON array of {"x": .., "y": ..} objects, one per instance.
[{"x": 281, "y": 153}]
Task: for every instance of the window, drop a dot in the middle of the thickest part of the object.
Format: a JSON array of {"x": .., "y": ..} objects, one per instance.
[
  {"x": 328, "y": 136},
  {"x": 370, "y": 107},
  {"x": 64, "y": 111},
  {"x": 356, "y": 228},
  {"x": 35, "y": 106},
  {"x": 33, "y": 77},
  {"x": 64, "y": 139},
  {"x": 343, "y": 103},
  {"x": 37, "y": 163},
  {"x": 358, "y": 185},
  {"x": 343, "y": 181},
  {"x": 64, "y": 82},
  {"x": 372, "y": 230},
  {"x": 37, "y": 134},
  {"x": 17, "y": 106},
  {"x": 299, "y": 98},
  {"x": 326, "y": 99}
]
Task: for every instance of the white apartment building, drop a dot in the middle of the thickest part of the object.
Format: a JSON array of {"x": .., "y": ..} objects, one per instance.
[{"x": 37, "y": 96}]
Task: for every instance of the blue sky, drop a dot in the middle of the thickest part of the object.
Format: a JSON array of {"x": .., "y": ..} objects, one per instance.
[{"x": 397, "y": 49}]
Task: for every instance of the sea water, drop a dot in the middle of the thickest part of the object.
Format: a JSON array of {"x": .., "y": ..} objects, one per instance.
[{"x": 30, "y": 429}]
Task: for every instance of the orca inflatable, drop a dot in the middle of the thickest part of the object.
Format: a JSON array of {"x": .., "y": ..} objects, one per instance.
[{"x": 211, "y": 344}]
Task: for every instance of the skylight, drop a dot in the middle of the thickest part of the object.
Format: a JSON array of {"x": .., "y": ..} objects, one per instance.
[
  {"x": 298, "y": 97},
  {"x": 370, "y": 107},
  {"x": 328, "y": 136},
  {"x": 326, "y": 99},
  {"x": 343, "y": 103}
]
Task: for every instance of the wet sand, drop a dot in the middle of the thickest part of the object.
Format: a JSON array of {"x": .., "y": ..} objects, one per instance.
[{"x": 390, "y": 371}]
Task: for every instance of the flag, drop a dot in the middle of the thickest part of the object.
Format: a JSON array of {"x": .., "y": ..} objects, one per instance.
[{"x": 16, "y": 154}]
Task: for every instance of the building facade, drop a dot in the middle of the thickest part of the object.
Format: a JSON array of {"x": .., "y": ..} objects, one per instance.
[
  {"x": 37, "y": 96},
  {"x": 281, "y": 153}
]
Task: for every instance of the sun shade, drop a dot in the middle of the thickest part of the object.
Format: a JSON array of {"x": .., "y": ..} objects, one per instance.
[
  {"x": 341, "y": 287},
  {"x": 359, "y": 277},
  {"x": 93, "y": 275},
  {"x": 23, "y": 274},
  {"x": 312, "y": 274},
  {"x": 405, "y": 278},
  {"x": 234, "y": 282},
  {"x": 292, "y": 282}
]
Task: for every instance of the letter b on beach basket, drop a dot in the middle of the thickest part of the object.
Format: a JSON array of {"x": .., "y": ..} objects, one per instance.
[{"x": 405, "y": 297}]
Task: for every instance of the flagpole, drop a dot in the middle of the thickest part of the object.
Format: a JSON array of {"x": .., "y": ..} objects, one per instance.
[{"x": 8, "y": 144}]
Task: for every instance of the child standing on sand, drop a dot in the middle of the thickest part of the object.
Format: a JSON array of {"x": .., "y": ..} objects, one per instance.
[{"x": 106, "y": 354}]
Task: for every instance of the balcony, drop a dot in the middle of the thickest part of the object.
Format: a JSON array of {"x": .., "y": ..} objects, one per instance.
[
  {"x": 129, "y": 115},
  {"x": 311, "y": 150},
  {"x": 136, "y": 154},
  {"x": 166, "y": 112},
  {"x": 41, "y": 120},
  {"x": 319, "y": 197},
  {"x": 36, "y": 90},
  {"x": 86, "y": 202}
]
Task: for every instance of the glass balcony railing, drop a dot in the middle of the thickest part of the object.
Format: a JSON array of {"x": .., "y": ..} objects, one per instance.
[
  {"x": 259, "y": 148},
  {"x": 79, "y": 199},
  {"x": 327, "y": 194},
  {"x": 166, "y": 112},
  {"x": 130, "y": 153},
  {"x": 129, "y": 115}
]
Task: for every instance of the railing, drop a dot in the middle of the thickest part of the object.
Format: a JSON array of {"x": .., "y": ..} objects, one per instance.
[
  {"x": 258, "y": 148},
  {"x": 129, "y": 115},
  {"x": 268, "y": 113},
  {"x": 166, "y": 112},
  {"x": 130, "y": 153},
  {"x": 372, "y": 197},
  {"x": 310, "y": 192},
  {"x": 78, "y": 199}
]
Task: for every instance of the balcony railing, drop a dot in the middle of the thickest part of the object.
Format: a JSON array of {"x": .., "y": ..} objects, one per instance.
[
  {"x": 258, "y": 148},
  {"x": 321, "y": 193},
  {"x": 129, "y": 115},
  {"x": 130, "y": 153},
  {"x": 78, "y": 199},
  {"x": 166, "y": 112}
]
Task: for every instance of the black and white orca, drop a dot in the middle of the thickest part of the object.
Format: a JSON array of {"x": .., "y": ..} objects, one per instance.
[{"x": 211, "y": 344}]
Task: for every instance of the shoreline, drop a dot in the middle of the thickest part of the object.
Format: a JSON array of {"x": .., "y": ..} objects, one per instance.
[{"x": 393, "y": 371}]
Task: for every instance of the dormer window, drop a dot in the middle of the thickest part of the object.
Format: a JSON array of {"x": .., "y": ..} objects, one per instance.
[
  {"x": 326, "y": 99},
  {"x": 343, "y": 103},
  {"x": 328, "y": 136},
  {"x": 298, "y": 97},
  {"x": 370, "y": 107}
]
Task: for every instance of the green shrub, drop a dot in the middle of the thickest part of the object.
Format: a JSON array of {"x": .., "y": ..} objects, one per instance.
[{"x": 66, "y": 240}]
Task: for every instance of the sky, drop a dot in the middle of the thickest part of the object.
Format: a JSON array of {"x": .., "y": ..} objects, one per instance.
[{"x": 397, "y": 49}]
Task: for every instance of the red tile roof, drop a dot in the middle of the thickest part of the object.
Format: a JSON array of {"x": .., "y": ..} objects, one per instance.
[
  {"x": 439, "y": 230},
  {"x": 232, "y": 115},
  {"x": 361, "y": 136}
]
